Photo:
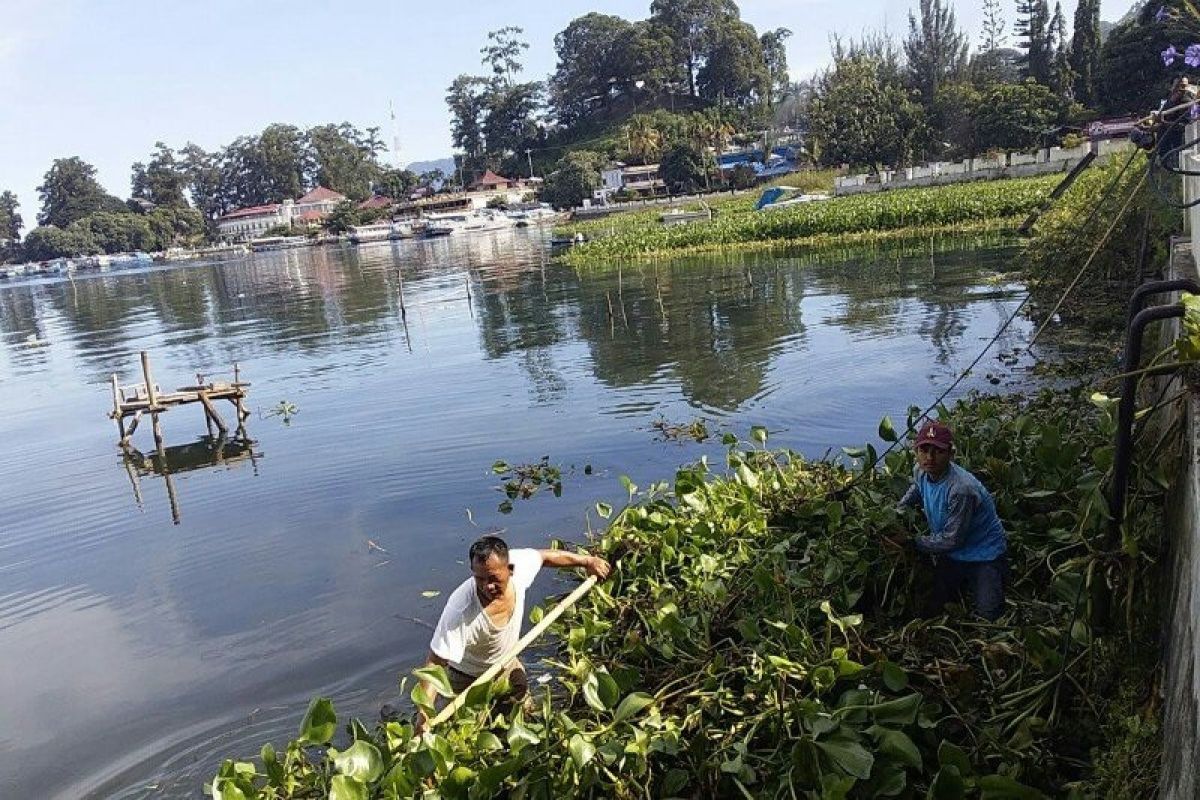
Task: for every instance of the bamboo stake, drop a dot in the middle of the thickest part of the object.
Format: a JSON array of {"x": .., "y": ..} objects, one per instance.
[{"x": 526, "y": 640}]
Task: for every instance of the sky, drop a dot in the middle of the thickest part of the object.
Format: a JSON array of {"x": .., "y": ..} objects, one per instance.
[{"x": 105, "y": 80}]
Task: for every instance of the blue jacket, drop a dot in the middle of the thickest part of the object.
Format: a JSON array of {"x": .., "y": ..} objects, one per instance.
[{"x": 963, "y": 523}]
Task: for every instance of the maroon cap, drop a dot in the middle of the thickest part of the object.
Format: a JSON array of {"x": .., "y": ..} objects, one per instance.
[{"x": 936, "y": 434}]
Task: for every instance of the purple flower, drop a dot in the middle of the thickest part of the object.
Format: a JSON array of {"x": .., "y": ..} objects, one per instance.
[
  {"x": 1169, "y": 55},
  {"x": 1192, "y": 56},
  {"x": 1194, "y": 112},
  {"x": 1162, "y": 14}
]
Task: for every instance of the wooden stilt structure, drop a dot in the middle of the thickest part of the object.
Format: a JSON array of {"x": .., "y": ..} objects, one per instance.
[{"x": 146, "y": 397}]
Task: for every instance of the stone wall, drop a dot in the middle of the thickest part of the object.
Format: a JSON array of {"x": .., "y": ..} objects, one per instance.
[{"x": 1006, "y": 165}]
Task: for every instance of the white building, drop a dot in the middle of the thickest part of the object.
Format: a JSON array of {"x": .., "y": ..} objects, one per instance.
[
  {"x": 245, "y": 224},
  {"x": 641, "y": 180}
]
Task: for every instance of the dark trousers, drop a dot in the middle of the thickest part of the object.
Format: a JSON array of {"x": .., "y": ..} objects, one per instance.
[{"x": 983, "y": 579}]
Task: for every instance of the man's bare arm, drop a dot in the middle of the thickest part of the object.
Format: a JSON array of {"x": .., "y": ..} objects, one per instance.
[{"x": 564, "y": 559}]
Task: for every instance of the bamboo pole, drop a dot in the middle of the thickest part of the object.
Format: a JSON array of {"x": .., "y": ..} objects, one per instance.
[{"x": 526, "y": 640}]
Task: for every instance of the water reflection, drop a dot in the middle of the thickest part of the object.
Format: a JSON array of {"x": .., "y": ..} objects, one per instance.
[
  {"x": 266, "y": 591},
  {"x": 207, "y": 452}
]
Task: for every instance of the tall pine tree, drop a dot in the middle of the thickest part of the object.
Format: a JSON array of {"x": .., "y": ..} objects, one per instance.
[
  {"x": 1062, "y": 77},
  {"x": 1085, "y": 50},
  {"x": 935, "y": 49},
  {"x": 992, "y": 36},
  {"x": 1033, "y": 32}
]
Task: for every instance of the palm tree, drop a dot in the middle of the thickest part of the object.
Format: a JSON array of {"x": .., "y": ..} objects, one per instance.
[{"x": 643, "y": 140}]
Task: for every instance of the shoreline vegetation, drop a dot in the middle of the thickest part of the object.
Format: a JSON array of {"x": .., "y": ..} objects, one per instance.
[
  {"x": 758, "y": 639},
  {"x": 963, "y": 208}
]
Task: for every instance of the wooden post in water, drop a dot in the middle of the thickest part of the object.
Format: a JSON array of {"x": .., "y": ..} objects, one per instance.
[
  {"x": 116, "y": 393},
  {"x": 152, "y": 396},
  {"x": 400, "y": 281}
]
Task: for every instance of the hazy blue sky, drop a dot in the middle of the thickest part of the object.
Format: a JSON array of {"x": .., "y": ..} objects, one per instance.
[{"x": 104, "y": 80}]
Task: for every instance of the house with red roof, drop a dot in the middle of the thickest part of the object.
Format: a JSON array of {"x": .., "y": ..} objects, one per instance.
[{"x": 244, "y": 224}]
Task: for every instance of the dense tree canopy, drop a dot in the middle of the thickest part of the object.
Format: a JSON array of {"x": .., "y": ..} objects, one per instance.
[
  {"x": 10, "y": 219},
  {"x": 574, "y": 178},
  {"x": 70, "y": 192}
]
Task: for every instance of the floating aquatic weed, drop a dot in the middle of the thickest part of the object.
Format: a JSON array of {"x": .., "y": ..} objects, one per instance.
[{"x": 523, "y": 481}]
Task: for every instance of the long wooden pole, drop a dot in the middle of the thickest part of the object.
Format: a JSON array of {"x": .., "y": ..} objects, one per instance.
[{"x": 534, "y": 632}]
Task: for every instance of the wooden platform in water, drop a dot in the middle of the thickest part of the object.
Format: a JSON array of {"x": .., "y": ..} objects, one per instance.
[{"x": 146, "y": 398}]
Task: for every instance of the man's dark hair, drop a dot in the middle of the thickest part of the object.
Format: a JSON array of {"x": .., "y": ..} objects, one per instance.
[{"x": 488, "y": 546}]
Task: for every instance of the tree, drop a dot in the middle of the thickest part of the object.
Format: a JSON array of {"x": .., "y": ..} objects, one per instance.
[
  {"x": 685, "y": 167},
  {"x": 1033, "y": 30},
  {"x": 50, "y": 241},
  {"x": 1002, "y": 65},
  {"x": 953, "y": 115},
  {"x": 992, "y": 36},
  {"x": 176, "y": 225},
  {"x": 344, "y": 216},
  {"x": 575, "y": 177},
  {"x": 775, "y": 61},
  {"x": 466, "y": 99},
  {"x": 860, "y": 113},
  {"x": 503, "y": 52},
  {"x": 345, "y": 159},
  {"x": 1014, "y": 116},
  {"x": 936, "y": 50},
  {"x": 591, "y": 59},
  {"x": 509, "y": 117},
  {"x": 70, "y": 191},
  {"x": 1062, "y": 78},
  {"x": 396, "y": 183},
  {"x": 1085, "y": 50},
  {"x": 267, "y": 168},
  {"x": 643, "y": 140},
  {"x": 205, "y": 181},
  {"x": 10, "y": 219},
  {"x": 734, "y": 69},
  {"x": 689, "y": 23},
  {"x": 119, "y": 232},
  {"x": 164, "y": 180},
  {"x": 1131, "y": 76}
]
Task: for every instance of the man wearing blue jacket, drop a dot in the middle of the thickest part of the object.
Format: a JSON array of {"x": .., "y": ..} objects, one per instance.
[{"x": 966, "y": 538}]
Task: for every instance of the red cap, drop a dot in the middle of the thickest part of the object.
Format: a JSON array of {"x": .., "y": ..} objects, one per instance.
[{"x": 936, "y": 434}]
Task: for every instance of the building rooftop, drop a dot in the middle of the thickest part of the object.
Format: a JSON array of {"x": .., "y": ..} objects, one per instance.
[
  {"x": 252, "y": 211},
  {"x": 321, "y": 195}
]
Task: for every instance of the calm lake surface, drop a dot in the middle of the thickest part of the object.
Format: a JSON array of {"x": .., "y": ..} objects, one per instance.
[{"x": 150, "y": 627}]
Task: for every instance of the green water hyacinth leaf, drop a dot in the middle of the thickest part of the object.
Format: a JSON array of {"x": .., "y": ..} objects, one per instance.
[
  {"x": 360, "y": 760},
  {"x": 437, "y": 676},
  {"x": 850, "y": 756},
  {"x": 600, "y": 690},
  {"x": 1002, "y": 787},
  {"x": 631, "y": 706},
  {"x": 894, "y": 678},
  {"x": 887, "y": 431},
  {"x": 520, "y": 736},
  {"x": 604, "y": 510},
  {"x": 759, "y": 434},
  {"x": 843, "y": 623},
  {"x": 582, "y": 751},
  {"x": 897, "y": 745},
  {"x": 320, "y": 722},
  {"x": 747, "y": 476},
  {"x": 902, "y": 711},
  {"x": 951, "y": 755},
  {"x": 948, "y": 784},
  {"x": 343, "y": 787}
]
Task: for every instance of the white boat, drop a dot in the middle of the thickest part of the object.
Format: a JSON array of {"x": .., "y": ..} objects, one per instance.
[
  {"x": 380, "y": 232},
  {"x": 269, "y": 243},
  {"x": 541, "y": 215},
  {"x": 469, "y": 222}
]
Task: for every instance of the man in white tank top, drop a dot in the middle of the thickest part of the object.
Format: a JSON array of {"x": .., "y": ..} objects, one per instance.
[{"x": 482, "y": 618}]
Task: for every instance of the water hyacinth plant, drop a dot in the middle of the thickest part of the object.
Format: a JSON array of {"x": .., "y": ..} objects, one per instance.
[
  {"x": 997, "y": 204},
  {"x": 758, "y": 639}
]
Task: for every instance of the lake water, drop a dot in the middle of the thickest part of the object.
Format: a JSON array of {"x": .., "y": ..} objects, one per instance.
[{"x": 150, "y": 626}]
